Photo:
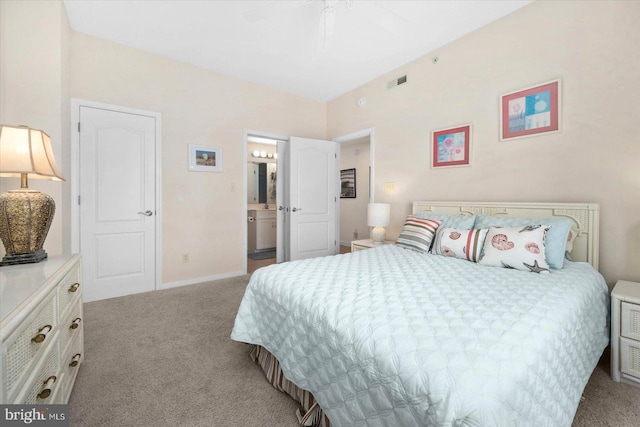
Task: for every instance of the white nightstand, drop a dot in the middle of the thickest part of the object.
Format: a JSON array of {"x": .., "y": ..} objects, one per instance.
[
  {"x": 359, "y": 245},
  {"x": 625, "y": 332}
]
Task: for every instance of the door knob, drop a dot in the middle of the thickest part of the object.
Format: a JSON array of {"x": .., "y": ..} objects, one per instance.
[
  {"x": 280, "y": 208},
  {"x": 146, "y": 213},
  {"x": 296, "y": 209}
]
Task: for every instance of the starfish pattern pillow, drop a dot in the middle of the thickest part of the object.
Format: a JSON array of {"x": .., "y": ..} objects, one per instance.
[{"x": 521, "y": 248}]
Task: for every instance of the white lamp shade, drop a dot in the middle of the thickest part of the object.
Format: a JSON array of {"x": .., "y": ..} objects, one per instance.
[
  {"x": 378, "y": 214},
  {"x": 25, "y": 150}
]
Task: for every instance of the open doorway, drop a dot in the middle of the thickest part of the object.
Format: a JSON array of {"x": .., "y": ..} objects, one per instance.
[
  {"x": 260, "y": 198},
  {"x": 307, "y": 196},
  {"x": 356, "y": 160}
]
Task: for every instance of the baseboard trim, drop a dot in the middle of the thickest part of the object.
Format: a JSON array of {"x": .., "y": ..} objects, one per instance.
[{"x": 200, "y": 280}]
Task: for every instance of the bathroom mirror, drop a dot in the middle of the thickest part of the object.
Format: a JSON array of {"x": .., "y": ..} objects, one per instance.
[{"x": 261, "y": 183}]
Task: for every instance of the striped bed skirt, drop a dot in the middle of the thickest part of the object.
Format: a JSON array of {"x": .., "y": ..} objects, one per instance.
[{"x": 311, "y": 414}]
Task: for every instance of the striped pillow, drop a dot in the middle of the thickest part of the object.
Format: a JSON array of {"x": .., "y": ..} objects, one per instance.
[
  {"x": 417, "y": 233},
  {"x": 464, "y": 244}
]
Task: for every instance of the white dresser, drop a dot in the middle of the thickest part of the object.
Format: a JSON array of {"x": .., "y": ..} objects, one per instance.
[
  {"x": 41, "y": 330},
  {"x": 625, "y": 332}
]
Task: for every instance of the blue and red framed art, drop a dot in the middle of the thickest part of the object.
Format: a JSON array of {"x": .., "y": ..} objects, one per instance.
[
  {"x": 451, "y": 147},
  {"x": 530, "y": 111}
]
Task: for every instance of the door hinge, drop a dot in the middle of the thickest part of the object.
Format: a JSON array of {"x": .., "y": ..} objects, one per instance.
[
  {"x": 78, "y": 127},
  {"x": 78, "y": 199}
]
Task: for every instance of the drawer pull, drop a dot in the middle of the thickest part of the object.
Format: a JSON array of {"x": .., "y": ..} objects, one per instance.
[
  {"x": 42, "y": 335},
  {"x": 47, "y": 391},
  {"x": 75, "y": 323},
  {"x": 74, "y": 360},
  {"x": 74, "y": 287}
]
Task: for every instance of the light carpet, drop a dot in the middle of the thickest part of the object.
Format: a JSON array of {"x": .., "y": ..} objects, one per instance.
[{"x": 165, "y": 358}]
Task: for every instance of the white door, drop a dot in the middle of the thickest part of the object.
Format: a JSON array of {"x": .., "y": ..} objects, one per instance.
[
  {"x": 117, "y": 202},
  {"x": 312, "y": 176}
]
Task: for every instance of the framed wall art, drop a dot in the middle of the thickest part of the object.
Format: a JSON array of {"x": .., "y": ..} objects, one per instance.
[
  {"x": 205, "y": 159},
  {"x": 530, "y": 111},
  {"x": 451, "y": 147},
  {"x": 348, "y": 183}
]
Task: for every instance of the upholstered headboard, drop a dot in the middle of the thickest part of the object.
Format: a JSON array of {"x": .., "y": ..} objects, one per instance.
[{"x": 586, "y": 217}]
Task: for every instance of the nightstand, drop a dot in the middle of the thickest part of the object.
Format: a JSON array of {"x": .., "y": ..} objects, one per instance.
[
  {"x": 359, "y": 245},
  {"x": 625, "y": 332}
]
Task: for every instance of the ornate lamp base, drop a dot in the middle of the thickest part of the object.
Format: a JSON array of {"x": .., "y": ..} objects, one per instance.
[
  {"x": 36, "y": 256},
  {"x": 25, "y": 218}
]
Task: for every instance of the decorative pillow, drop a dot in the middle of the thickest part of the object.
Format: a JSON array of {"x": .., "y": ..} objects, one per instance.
[
  {"x": 556, "y": 237},
  {"x": 521, "y": 248},
  {"x": 462, "y": 222},
  {"x": 464, "y": 244},
  {"x": 571, "y": 238},
  {"x": 417, "y": 233}
]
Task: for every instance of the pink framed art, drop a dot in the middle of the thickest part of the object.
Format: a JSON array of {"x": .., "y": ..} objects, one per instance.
[
  {"x": 451, "y": 147},
  {"x": 530, "y": 111}
]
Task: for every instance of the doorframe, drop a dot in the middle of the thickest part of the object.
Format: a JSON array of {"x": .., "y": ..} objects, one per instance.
[
  {"x": 76, "y": 103},
  {"x": 246, "y": 133}
]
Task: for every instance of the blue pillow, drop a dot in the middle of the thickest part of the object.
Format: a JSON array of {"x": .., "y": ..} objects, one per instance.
[
  {"x": 555, "y": 243},
  {"x": 461, "y": 222}
]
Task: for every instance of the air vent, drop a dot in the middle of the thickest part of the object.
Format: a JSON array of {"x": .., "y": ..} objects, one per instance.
[{"x": 396, "y": 82}]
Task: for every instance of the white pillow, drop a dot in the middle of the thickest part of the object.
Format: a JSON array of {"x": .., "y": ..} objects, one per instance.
[{"x": 521, "y": 248}]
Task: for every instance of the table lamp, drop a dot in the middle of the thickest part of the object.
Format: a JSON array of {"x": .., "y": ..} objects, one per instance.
[
  {"x": 25, "y": 214},
  {"x": 378, "y": 215}
]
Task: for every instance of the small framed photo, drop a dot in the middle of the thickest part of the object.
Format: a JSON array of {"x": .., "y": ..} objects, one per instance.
[
  {"x": 348, "y": 183},
  {"x": 451, "y": 147},
  {"x": 530, "y": 111},
  {"x": 205, "y": 159}
]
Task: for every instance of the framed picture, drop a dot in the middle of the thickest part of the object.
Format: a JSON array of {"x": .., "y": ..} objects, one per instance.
[
  {"x": 348, "y": 184},
  {"x": 205, "y": 159},
  {"x": 530, "y": 111},
  {"x": 451, "y": 147}
]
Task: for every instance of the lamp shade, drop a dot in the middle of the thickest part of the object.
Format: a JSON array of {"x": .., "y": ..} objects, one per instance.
[
  {"x": 378, "y": 214},
  {"x": 27, "y": 151}
]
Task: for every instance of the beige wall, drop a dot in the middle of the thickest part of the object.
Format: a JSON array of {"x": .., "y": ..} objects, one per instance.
[
  {"x": 592, "y": 46},
  {"x": 353, "y": 212},
  {"x": 197, "y": 107},
  {"x": 34, "y": 38}
]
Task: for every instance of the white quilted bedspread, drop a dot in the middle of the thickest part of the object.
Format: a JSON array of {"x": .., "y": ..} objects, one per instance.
[{"x": 391, "y": 337}]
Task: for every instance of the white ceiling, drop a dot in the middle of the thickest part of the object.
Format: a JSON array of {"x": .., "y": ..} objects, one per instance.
[{"x": 278, "y": 43}]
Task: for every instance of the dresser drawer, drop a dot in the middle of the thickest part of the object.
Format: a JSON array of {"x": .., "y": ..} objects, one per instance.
[
  {"x": 29, "y": 343},
  {"x": 70, "y": 363},
  {"x": 44, "y": 387},
  {"x": 71, "y": 326},
  {"x": 630, "y": 320},
  {"x": 69, "y": 290},
  {"x": 630, "y": 357}
]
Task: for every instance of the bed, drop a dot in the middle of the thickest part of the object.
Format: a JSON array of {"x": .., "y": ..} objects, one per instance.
[{"x": 394, "y": 337}]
